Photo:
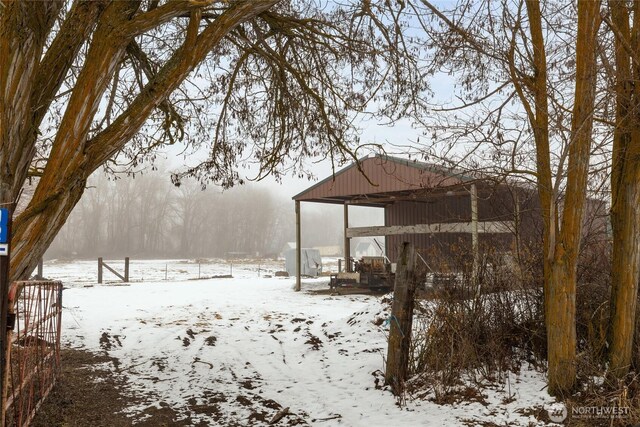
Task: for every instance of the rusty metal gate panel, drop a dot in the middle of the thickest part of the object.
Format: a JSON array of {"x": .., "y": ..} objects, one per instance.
[{"x": 34, "y": 360}]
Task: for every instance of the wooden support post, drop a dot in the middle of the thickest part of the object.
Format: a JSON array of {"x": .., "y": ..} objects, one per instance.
[
  {"x": 6, "y": 219},
  {"x": 298, "y": 249},
  {"x": 347, "y": 240},
  {"x": 401, "y": 319},
  {"x": 11, "y": 311},
  {"x": 99, "y": 270},
  {"x": 126, "y": 269},
  {"x": 40, "y": 274},
  {"x": 475, "y": 247}
]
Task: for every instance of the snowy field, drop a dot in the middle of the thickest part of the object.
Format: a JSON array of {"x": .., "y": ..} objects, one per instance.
[{"x": 235, "y": 351}]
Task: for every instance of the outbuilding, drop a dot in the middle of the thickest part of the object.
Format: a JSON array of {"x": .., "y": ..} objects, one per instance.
[
  {"x": 436, "y": 208},
  {"x": 310, "y": 262}
]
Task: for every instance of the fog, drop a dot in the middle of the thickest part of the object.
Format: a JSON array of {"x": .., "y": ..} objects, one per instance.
[{"x": 148, "y": 217}]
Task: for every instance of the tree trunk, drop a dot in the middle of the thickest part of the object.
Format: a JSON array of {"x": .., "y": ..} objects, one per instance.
[
  {"x": 625, "y": 221},
  {"x": 561, "y": 323},
  {"x": 625, "y": 193},
  {"x": 73, "y": 157},
  {"x": 23, "y": 31},
  {"x": 34, "y": 234},
  {"x": 539, "y": 121}
]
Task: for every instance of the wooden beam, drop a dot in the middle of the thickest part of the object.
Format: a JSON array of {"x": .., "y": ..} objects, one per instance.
[
  {"x": 40, "y": 269},
  {"x": 347, "y": 240},
  {"x": 475, "y": 246},
  {"x": 120, "y": 276},
  {"x": 298, "y": 248},
  {"x": 451, "y": 227}
]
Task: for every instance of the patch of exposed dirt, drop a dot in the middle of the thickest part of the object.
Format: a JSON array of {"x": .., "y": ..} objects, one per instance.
[
  {"x": 313, "y": 341},
  {"x": 108, "y": 342},
  {"x": 464, "y": 394},
  {"x": 87, "y": 394}
]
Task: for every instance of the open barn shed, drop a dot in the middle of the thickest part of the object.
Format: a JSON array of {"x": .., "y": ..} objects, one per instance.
[{"x": 436, "y": 208}]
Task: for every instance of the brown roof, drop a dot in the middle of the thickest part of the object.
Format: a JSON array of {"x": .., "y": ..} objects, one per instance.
[{"x": 380, "y": 176}]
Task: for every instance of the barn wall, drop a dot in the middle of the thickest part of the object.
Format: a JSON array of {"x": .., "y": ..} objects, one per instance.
[{"x": 493, "y": 205}]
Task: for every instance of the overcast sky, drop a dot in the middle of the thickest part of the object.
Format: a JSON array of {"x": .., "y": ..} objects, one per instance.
[{"x": 401, "y": 133}]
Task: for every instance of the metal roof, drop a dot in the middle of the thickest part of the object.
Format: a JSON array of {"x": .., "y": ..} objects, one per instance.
[{"x": 381, "y": 179}]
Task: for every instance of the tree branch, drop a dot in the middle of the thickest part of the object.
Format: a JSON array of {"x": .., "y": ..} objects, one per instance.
[
  {"x": 113, "y": 138},
  {"x": 162, "y": 14}
]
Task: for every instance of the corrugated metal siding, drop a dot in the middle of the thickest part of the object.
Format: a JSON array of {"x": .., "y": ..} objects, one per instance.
[
  {"x": 496, "y": 205},
  {"x": 441, "y": 209},
  {"x": 429, "y": 245},
  {"x": 385, "y": 176},
  {"x": 492, "y": 206},
  {"x": 531, "y": 223},
  {"x": 442, "y": 206}
]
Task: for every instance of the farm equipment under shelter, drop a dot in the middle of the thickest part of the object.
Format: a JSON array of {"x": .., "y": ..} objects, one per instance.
[{"x": 373, "y": 272}]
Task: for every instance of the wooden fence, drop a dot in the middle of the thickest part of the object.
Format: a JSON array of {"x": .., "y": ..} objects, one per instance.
[
  {"x": 33, "y": 365},
  {"x": 124, "y": 277}
]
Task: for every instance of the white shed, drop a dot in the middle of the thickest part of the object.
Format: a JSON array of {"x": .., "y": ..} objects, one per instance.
[
  {"x": 310, "y": 262},
  {"x": 367, "y": 248}
]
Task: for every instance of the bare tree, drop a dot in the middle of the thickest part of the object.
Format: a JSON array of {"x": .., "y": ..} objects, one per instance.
[
  {"x": 624, "y": 22},
  {"x": 147, "y": 216},
  {"x": 85, "y": 82},
  {"x": 530, "y": 54}
]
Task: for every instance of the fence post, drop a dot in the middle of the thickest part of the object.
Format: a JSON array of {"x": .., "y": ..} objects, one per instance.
[
  {"x": 401, "y": 319},
  {"x": 6, "y": 215},
  {"x": 99, "y": 270},
  {"x": 126, "y": 269},
  {"x": 41, "y": 269},
  {"x": 11, "y": 311}
]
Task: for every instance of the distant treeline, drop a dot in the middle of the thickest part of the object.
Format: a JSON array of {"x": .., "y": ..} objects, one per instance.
[{"x": 147, "y": 216}]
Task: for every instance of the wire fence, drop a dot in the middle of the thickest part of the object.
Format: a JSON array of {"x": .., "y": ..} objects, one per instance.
[
  {"x": 82, "y": 273},
  {"x": 34, "y": 359}
]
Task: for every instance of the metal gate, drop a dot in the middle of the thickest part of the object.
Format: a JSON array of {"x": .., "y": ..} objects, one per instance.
[{"x": 33, "y": 364}]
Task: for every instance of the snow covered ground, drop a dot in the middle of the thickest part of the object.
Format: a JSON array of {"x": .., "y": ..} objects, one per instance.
[{"x": 235, "y": 351}]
